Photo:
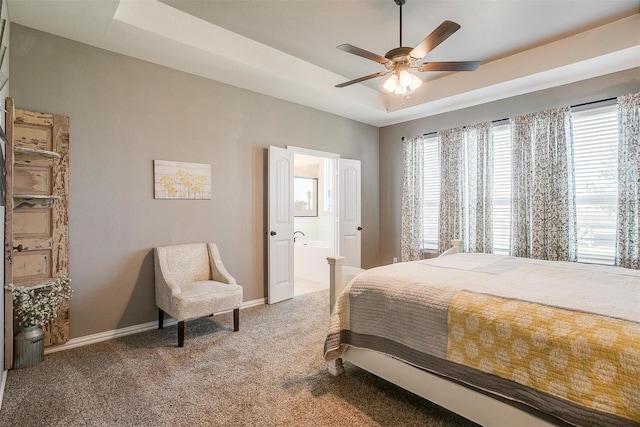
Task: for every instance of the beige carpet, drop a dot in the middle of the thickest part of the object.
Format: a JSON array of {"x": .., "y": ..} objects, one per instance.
[{"x": 270, "y": 373}]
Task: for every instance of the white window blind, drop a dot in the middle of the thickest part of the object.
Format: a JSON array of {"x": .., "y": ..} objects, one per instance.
[
  {"x": 501, "y": 188},
  {"x": 595, "y": 138},
  {"x": 431, "y": 192}
]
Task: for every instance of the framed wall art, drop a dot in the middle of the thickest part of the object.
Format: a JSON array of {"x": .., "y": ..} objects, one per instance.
[{"x": 180, "y": 180}]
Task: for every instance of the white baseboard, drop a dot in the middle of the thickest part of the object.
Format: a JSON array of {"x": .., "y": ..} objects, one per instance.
[
  {"x": 254, "y": 303},
  {"x": 129, "y": 330}
]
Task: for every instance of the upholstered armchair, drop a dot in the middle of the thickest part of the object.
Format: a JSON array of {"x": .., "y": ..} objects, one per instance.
[{"x": 191, "y": 282}]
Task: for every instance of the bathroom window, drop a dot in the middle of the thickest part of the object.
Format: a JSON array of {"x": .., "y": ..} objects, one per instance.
[{"x": 305, "y": 196}]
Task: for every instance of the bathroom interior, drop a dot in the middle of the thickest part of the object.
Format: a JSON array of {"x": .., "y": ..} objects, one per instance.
[{"x": 314, "y": 222}]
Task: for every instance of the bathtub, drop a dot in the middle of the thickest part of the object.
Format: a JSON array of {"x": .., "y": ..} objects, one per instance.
[{"x": 310, "y": 260}]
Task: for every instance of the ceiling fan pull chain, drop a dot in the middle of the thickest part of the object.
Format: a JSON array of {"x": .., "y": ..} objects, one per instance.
[{"x": 404, "y": 96}]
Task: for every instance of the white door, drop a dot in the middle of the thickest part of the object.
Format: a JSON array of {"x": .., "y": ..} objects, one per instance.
[
  {"x": 350, "y": 216},
  {"x": 280, "y": 222}
]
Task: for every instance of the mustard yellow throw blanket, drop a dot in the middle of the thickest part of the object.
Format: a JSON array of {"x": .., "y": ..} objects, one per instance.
[{"x": 590, "y": 360}]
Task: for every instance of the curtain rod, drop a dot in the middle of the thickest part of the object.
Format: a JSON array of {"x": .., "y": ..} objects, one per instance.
[
  {"x": 572, "y": 106},
  {"x": 424, "y": 134},
  {"x": 593, "y": 102}
]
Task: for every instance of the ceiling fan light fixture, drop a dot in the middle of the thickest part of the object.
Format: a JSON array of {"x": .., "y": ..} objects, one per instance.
[
  {"x": 402, "y": 90},
  {"x": 402, "y": 83},
  {"x": 405, "y": 78},
  {"x": 390, "y": 84},
  {"x": 415, "y": 82}
]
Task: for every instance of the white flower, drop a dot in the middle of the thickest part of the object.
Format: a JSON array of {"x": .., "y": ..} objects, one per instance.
[{"x": 39, "y": 306}]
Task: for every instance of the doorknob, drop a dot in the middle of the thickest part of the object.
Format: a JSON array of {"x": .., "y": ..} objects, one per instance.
[
  {"x": 18, "y": 248},
  {"x": 273, "y": 233},
  {"x": 359, "y": 228}
]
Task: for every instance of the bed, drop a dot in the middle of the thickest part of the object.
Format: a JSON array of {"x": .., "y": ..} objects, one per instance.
[{"x": 499, "y": 340}]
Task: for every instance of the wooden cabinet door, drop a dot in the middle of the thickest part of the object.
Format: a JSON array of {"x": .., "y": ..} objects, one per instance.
[{"x": 40, "y": 249}]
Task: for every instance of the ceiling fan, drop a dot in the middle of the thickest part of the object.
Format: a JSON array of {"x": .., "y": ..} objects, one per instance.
[{"x": 401, "y": 59}]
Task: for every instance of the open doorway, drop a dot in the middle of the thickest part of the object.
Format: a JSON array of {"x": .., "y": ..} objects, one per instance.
[
  {"x": 337, "y": 207},
  {"x": 314, "y": 221}
]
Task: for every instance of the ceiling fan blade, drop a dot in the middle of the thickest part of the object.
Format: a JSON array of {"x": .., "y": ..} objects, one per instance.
[
  {"x": 364, "y": 53},
  {"x": 450, "y": 66},
  {"x": 361, "y": 79},
  {"x": 436, "y": 37}
]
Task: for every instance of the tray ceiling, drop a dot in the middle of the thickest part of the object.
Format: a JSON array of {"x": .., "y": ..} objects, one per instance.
[{"x": 287, "y": 49}]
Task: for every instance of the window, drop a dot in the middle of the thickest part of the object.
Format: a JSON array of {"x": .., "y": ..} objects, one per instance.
[
  {"x": 501, "y": 188},
  {"x": 595, "y": 139},
  {"x": 431, "y": 192}
]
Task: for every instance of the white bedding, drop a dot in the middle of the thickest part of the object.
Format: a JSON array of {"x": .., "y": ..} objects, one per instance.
[{"x": 599, "y": 289}]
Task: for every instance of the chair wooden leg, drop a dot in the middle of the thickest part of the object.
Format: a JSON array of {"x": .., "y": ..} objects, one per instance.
[
  {"x": 236, "y": 320},
  {"x": 160, "y": 318},
  {"x": 181, "y": 334}
]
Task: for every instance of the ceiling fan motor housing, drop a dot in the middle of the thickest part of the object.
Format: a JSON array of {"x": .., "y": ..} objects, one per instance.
[{"x": 399, "y": 55}]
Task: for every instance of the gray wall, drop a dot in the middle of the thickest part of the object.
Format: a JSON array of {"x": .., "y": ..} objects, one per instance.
[
  {"x": 604, "y": 87},
  {"x": 124, "y": 113}
]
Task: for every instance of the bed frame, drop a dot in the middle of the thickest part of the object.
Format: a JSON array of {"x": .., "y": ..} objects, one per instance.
[{"x": 469, "y": 403}]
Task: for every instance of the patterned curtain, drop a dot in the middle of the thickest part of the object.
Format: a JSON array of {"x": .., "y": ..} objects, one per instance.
[
  {"x": 479, "y": 144},
  {"x": 628, "y": 238},
  {"x": 543, "y": 208},
  {"x": 452, "y": 195},
  {"x": 412, "y": 199}
]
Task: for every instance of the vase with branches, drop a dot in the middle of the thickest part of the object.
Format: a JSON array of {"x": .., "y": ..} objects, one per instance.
[{"x": 34, "y": 307}]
